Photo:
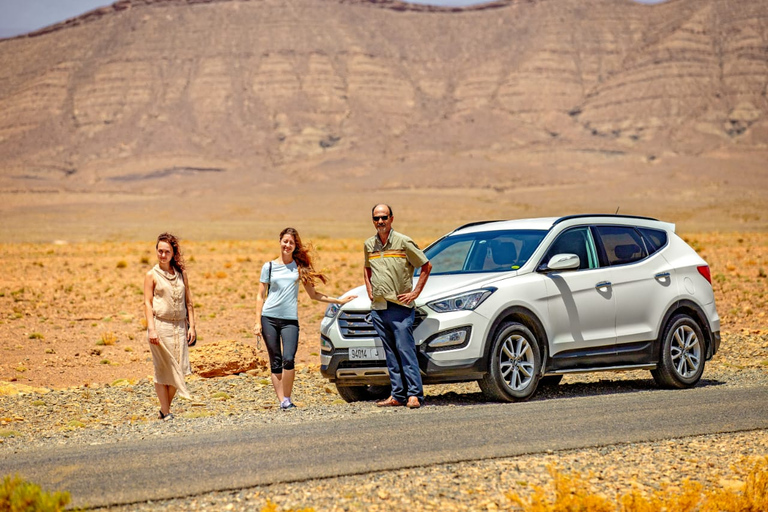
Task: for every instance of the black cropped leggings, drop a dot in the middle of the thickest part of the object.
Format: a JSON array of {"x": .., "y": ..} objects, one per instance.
[{"x": 273, "y": 329}]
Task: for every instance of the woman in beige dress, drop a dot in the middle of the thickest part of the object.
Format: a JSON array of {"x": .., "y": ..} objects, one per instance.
[{"x": 170, "y": 322}]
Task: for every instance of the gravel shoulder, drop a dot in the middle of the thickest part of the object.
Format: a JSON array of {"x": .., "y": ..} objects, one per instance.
[{"x": 98, "y": 414}]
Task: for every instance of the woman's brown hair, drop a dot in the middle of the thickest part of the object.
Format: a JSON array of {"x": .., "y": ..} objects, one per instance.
[
  {"x": 302, "y": 257},
  {"x": 177, "y": 262}
]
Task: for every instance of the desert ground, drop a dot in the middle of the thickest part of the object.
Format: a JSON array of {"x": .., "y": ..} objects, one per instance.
[
  {"x": 71, "y": 314},
  {"x": 72, "y": 319}
]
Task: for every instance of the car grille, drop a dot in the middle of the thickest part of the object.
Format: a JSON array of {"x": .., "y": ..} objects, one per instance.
[{"x": 358, "y": 324}]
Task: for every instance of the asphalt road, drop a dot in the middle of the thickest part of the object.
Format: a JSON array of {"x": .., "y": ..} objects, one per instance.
[{"x": 177, "y": 466}]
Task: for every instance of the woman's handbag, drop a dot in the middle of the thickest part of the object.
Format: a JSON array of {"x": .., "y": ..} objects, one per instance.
[{"x": 194, "y": 342}]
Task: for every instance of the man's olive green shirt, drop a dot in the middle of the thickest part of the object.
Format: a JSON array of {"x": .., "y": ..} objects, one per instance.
[{"x": 392, "y": 266}]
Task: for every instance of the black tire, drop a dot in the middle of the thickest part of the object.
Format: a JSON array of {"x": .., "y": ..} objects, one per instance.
[
  {"x": 363, "y": 393},
  {"x": 550, "y": 380},
  {"x": 682, "y": 354},
  {"x": 514, "y": 364}
]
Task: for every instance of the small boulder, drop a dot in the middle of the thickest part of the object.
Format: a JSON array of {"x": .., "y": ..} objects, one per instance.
[{"x": 222, "y": 358}]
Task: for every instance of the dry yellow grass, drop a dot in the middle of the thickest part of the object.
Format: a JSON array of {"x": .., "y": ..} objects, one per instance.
[{"x": 571, "y": 493}]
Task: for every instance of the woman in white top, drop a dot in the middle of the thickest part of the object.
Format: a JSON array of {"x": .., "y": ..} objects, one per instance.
[{"x": 277, "y": 318}]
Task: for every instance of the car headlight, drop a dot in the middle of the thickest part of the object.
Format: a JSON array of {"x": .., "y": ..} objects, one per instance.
[
  {"x": 332, "y": 310},
  {"x": 464, "y": 302}
]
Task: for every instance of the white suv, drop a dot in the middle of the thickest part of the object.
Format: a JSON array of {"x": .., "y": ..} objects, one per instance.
[{"x": 509, "y": 303}]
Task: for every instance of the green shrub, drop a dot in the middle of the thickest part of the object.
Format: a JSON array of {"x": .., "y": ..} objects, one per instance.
[{"x": 17, "y": 495}]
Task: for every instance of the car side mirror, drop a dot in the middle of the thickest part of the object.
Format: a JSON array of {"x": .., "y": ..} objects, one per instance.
[{"x": 565, "y": 261}]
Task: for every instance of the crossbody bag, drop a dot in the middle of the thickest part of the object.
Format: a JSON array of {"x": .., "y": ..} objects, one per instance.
[{"x": 266, "y": 294}]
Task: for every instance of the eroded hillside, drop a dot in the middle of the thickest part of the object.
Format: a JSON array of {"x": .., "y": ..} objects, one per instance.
[{"x": 327, "y": 91}]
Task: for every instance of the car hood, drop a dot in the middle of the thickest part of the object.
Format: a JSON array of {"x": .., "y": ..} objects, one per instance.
[{"x": 437, "y": 287}]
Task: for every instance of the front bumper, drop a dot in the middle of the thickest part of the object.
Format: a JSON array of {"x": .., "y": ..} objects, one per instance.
[{"x": 435, "y": 367}]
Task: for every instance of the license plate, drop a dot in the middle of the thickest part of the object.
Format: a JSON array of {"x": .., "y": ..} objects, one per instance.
[{"x": 366, "y": 354}]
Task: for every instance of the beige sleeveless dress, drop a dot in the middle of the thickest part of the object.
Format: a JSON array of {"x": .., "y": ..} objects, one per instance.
[{"x": 171, "y": 356}]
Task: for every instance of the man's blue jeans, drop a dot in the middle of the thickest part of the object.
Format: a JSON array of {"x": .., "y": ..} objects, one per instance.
[{"x": 394, "y": 326}]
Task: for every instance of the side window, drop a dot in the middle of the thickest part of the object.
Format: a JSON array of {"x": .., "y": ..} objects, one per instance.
[
  {"x": 655, "y": 238},
  {"x": 622, "y": 244},
  {"x": 576, "y": 241}
]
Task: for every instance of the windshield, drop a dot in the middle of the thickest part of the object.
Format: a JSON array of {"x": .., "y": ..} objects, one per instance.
[{"x": 488, "y": 251}]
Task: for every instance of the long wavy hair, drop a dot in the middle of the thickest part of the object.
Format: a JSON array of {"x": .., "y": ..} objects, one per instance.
[
  {"x": 303, "y": 258},
  {"x": 177, "y": 262}
]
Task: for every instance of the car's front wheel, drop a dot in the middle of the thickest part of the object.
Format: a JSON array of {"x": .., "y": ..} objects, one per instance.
[
  {"x": 682, "y": 354},
  {"x": 363, "y": 393},
  {"x": 514, "y": 364}
]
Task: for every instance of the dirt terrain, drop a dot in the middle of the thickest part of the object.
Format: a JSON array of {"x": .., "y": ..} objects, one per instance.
[{"x": 71, "y": 314}]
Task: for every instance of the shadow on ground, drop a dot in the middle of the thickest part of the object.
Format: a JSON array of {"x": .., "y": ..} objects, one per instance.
[{"x": 560, "y": 391}]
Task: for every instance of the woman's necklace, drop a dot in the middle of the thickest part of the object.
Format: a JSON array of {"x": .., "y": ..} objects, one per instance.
[{"x": 177, "y": 293}]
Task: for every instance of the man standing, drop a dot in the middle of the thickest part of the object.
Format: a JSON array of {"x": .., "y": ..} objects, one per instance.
[{"x": 390, "y": 259}]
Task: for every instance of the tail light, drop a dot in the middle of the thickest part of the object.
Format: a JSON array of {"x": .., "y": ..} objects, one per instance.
[{"x": 704, "y": 271}]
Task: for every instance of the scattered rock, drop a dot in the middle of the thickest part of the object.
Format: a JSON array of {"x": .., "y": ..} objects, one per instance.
[
  {"x": 223, "y": 358},
  {"x": 9, "y": 389}
]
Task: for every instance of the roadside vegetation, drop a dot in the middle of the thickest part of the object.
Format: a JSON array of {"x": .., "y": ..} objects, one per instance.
[
  {"x": 18, "y": 495},
  {"x": 570, "y": 492}
]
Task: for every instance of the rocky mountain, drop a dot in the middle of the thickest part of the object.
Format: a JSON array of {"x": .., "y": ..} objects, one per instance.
[{"x": 326, "y": 90}]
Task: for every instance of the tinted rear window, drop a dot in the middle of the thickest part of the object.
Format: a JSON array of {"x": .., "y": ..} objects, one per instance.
[
  {"x": 656, "y": 238},
  {"x": 622, "y": 244}
]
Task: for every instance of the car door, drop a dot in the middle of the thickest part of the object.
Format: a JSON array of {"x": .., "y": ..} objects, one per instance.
[
  {"x": 580, "y": 302},
  {"x": 642, "y": 282}
]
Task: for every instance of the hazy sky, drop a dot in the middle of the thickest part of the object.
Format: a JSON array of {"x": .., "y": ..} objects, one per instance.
[{"x": 20, "y": 16}]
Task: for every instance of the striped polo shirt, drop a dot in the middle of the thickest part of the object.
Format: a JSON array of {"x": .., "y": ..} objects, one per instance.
[{"x": 392, "y": 266}]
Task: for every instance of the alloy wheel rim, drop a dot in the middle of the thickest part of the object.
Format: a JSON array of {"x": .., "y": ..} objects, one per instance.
[
  {"x": 516, "y": 362},
  {"x": 685, "y": 351}
]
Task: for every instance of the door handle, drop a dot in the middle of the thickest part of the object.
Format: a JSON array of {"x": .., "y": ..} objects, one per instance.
[
  {"x": 603, "y": 284},
  {"x": 663, "y": 275}
]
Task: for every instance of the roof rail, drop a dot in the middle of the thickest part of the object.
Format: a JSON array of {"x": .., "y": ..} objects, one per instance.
[
  {"x": 474, "y": 224},
  {"x": 612, "y": 215}
]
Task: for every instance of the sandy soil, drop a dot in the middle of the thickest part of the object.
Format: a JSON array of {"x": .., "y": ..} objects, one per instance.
[{"x": 72, "y": 314}]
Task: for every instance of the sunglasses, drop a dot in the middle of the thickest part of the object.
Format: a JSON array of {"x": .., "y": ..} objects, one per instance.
[{"x": 381, "y": 217}]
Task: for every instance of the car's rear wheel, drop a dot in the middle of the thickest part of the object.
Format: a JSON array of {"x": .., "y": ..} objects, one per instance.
[
  {"x": 363, "y": 393},
  {"x": 682, "y": 354},
  {"x": 514, "y": 364}
]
